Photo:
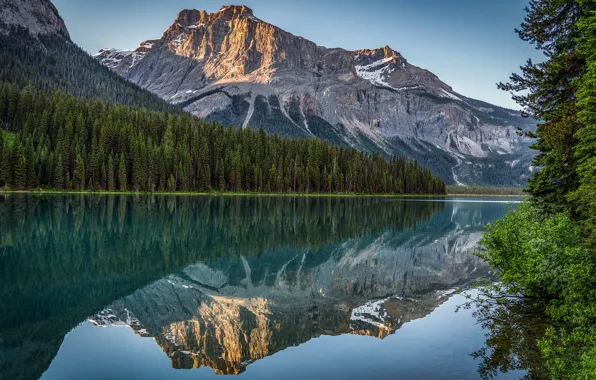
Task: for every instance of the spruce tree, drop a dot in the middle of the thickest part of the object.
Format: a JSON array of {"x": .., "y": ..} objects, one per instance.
[
  {"x": 59, "y": 174},
  {"x": 79, "y": 174},
  {"x": 122, "y": 177},
  {"x": 19, "y": 168},
  {"x": 584, "y": 197},
  {"x": 111, "y": 178}
]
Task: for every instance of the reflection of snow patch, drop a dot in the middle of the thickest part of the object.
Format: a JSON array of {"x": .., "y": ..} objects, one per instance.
[
  {"x": 445, "y": 293},
  {"x": 370, "y": 313}
]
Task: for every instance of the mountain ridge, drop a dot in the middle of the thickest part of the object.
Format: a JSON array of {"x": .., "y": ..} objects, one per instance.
[{"x": 237, "y": 69}]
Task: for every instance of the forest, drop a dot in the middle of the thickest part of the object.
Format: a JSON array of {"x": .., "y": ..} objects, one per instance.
[
  {"x": 53, "y": 140},
  {"x": 53, "y": 62},
  {"x": 545, "y": 251}
]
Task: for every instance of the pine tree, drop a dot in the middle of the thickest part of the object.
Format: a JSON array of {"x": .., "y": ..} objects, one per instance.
[
  {"x": 171, "y": 183},
  {"x": 59, "y": 174},
  {"x": 79, "y": 174},
  {"x": 30, "y": 164},
  {"x": 110, "y": 169},
  {"x": 222, "y": 178},
  {"x": 19, "y": 168},
  {"x": 584, "y": 197},
  {"x": 546, "y": 91},
  {"x": 122, "y": 178}
]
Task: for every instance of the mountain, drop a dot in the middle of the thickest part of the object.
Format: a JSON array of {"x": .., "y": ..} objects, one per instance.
[
  {"x": 35, "y": 48},
  {"x": 237, "y": 69}
]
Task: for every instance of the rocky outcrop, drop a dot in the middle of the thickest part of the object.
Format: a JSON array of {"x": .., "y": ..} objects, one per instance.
[
  {"x": 234, "y": 68},
  {"x": 37, "y": 16}
]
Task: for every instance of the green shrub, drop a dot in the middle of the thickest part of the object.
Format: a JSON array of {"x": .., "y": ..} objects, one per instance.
[{"x": 542, "y": 259}]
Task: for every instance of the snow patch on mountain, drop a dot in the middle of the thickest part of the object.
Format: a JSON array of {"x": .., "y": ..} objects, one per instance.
[
  {"x": 374, "y": 73},
  {"x": 112, "y": 57}
]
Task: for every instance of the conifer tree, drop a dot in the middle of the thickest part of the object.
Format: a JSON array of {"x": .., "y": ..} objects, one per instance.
[
  {"x": 122, "y": 177},
  {"x": 79, "y": 175},
  {"x": 110, "y": 169},
  {"x": 59, "y": 174}
]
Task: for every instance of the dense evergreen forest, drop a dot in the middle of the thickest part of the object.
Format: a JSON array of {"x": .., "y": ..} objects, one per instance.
[
  {"x": 62, "y": 142},
  {"x": 545, "y": 252},
  {"x": 54, "y": 62}
]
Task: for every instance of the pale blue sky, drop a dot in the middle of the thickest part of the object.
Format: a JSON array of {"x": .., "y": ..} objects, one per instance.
[{"x": 469, "y": 44}]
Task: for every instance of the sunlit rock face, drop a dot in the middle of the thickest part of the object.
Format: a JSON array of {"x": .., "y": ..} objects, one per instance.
[
  {"x": 234, "y": 68},
  {"x": 230, "y": 312}
]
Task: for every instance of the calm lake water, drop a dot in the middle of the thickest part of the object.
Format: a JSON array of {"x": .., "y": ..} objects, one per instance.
[{"x": 156, "y": 287}]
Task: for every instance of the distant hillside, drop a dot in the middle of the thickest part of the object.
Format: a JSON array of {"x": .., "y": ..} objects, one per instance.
[{"x": 35, "y": 48}]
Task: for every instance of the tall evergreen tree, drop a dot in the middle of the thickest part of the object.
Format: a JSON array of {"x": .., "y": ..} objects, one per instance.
[
  {"x": 79, "y": 174},
  {"x": 546, "y": 91},
  {"x": 122, "y": 177},
  {"x": 111, "y": 178},
  {"x": 584, "y": 197}
]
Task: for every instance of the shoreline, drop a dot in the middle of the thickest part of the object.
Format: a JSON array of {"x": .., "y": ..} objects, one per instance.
[{"x": 248, "y": 194}]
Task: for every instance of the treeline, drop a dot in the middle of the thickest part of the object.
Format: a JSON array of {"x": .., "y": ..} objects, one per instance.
[
  {"x": 545, "y": 252},
  {"x": 53, "y": 62},
  {"x": 67, "y": 143},
  {"x": 482, "y": 190}
]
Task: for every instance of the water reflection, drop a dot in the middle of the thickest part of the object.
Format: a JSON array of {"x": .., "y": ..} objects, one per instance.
[
  {"x": 223, "y": 282},
  {"x": 513, "y": 329}
]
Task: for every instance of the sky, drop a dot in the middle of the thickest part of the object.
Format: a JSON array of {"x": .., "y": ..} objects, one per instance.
[{"x": 469, "y": 44}]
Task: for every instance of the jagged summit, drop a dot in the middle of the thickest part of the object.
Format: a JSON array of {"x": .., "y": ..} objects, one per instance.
[
  {"x": 236, "y": 10},
  {"x": 194, "y": 17},
  {"x": 380, "y": 53}
]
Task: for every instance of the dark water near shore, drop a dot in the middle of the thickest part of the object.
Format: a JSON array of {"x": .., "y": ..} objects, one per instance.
[{"x": 159, "y": 287}]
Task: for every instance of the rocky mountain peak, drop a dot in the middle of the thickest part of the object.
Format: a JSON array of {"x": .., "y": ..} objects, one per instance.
[
  {"x": 384, "y": 53},
  {"x": 37, "y": 16},
  {"x": 193, "y": 17},
  {"x": 189, "y": 17},
  {"x": 380, "y": 53},
  {"x": 236, "y": 10}
]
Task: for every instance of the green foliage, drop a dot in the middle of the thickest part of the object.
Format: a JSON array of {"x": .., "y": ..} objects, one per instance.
[
  {"x": 541, "y": 256},
  {"x": 544, "y": 258},
  {"x": 7, "y": 137},
  {"x": 77, "y": 144},
  {"x": 583, "y": 198}
]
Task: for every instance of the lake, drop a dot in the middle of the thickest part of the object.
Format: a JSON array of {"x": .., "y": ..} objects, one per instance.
[{"x": 181, "y": 287}]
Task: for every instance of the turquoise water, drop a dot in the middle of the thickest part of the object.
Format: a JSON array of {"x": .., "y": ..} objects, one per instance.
[{"x": 158, "y": 287}]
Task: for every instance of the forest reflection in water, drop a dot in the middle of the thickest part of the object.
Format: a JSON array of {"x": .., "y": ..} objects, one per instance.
[{"x": 223, "y": 282}]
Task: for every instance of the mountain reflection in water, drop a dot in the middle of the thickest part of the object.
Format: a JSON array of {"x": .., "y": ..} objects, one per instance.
[{"x": 225, "y": 281}]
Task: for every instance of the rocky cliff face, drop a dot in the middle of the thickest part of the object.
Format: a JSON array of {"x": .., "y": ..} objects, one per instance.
[
  {"x": 234, "y": 68},
  {"x": 37, "y": 16}
]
